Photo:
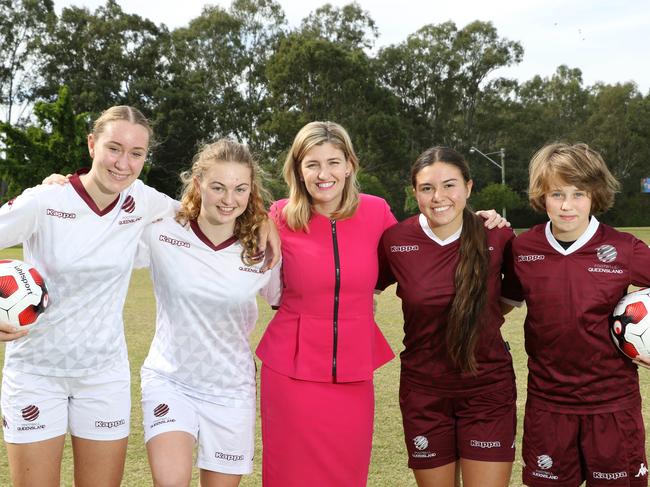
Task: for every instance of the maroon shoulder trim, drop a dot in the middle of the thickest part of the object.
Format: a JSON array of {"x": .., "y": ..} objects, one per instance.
[
  {"x": 199, "y": 233},
  {"x": 75, "y": 181}
]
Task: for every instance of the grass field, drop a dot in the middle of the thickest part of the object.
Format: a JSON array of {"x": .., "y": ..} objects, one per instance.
[{"x": 388, "y": 467}]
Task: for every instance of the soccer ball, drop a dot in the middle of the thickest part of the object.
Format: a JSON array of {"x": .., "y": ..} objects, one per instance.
[
  {"x": 23, "y": 295},
  {"x": 630, "y": 323}
]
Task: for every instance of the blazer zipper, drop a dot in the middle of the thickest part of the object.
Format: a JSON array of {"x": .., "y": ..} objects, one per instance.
[{"x": 337, "y": 288}]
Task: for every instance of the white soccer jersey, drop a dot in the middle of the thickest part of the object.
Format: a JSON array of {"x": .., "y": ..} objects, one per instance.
[
  {"x": 206, "y": 310},
  {"x": 85, "y": 256}
]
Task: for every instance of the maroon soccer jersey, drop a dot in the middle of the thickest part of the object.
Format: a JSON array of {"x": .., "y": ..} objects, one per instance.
[
  {"x": 573, "y": 365},
  {"x": 424, "y": 269}
]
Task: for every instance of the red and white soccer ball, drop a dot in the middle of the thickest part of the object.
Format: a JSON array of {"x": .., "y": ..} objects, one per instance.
[
  {"x": 23, "y": 295},
  {"x": 630, "y": 324}
]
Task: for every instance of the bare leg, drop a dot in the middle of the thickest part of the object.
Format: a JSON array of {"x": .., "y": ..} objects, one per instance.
[
  {"x": 98, "y": 463},
  {"x": 36, "y": 464},
  {"x": 217, "y": 479},
  {"x": 485, "y": 474},
  {"x": 444, "y": 476},
  {"x": 170, "y": 458}
]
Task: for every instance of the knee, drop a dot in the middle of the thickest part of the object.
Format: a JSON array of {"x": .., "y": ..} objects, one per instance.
[{"x": 171, "y": 478}]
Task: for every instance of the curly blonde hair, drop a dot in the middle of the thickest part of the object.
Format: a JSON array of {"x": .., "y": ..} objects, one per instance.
[{"x": 247, "y": 224}]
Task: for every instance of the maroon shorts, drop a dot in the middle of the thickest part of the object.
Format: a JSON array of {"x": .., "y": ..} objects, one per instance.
[
  {"x": 439, "y": 430},
  {"x": 564, "y": 450}
]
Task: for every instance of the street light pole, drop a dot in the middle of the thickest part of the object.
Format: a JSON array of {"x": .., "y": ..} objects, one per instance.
[{"x": 502, "y": 166}]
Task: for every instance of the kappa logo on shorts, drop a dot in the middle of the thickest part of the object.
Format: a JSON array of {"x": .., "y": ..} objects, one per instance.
[
  {"x": 160, "y": 410},
  {"x": 606, "y": 253},
  {"x": 643, "y": 471},
  {"x": 609, "y": 475},
  {"x": 110, "y": 424},
  {"x": 227, "y": 456},
  {"x": 485, "y": 444},
  {"x": 5, "y": 425},
  {"x": 30, "y": 413}
]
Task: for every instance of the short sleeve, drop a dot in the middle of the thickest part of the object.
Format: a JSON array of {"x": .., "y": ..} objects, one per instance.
[
  {"x": 272, "y": 292},
  {"x": 143, "y": 254},
  {"x": 159, "y": 205},
  {"x": 385, "y": 277},
  {"x": 511, "y": 290},
  {"x": 19, "y": 218},
  {"x": 640, "y": 265}
]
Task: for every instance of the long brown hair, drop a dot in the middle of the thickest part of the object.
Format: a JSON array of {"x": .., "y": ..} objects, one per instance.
[
  {"x": 465, "y": 318},
  {"x": 248, "y": 223}
]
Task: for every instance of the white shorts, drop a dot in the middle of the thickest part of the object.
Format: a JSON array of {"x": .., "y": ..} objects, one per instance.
[
  {"x": 37, "y": 407},
  {"x": 225, "y": 435}
]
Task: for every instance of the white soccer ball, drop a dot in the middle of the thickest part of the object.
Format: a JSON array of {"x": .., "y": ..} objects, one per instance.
[
  {"x": 23, "y": 295},
  {"x": 630, "y": 323}
]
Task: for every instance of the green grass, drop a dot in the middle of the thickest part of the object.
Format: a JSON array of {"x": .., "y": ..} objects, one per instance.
[{"x": 388, "y": 467}]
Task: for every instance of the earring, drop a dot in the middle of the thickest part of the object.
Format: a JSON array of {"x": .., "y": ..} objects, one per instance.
[{"x": 347, "y": 174}]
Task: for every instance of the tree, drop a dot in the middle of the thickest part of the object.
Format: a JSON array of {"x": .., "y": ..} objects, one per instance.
[
  {"x": 22, "y": 24},
  {"x": 437, "y": 73},
  {"x": 106, "y": 58},
  {"x": 348, "y": 26},
  {"x": 56, "y": 145}
]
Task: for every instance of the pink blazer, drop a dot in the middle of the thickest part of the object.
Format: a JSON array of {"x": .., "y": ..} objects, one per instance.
[{"x": 324, "y": 330}]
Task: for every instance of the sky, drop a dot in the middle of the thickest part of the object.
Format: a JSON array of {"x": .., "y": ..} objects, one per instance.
[{"x": 608, "y": 40}]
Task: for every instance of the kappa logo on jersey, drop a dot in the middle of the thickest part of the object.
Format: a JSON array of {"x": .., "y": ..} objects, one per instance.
[
  {"x": 110, "y": 424},
  {"x": 160, "y": 410},
  {"x": 30, "y": 413},
  {"x": 173, "y": 241},
  {"x": 60, "y": 214},
  {"x": 404, "y": 248},
  {"x": 129, "y": 204},
  {"x": 606, "y": 253},
  {"x": 529, "y": 258},
  {"x": 643, "y": 471}
]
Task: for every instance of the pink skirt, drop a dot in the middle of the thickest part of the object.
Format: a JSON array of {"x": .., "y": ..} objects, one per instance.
[{"x": 315, "y": 433}]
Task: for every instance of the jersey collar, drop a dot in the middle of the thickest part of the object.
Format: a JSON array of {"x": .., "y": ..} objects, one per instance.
[
  {"x": 579, "y": 243},
  {"x": 78, "y": 186},
  {"x": 203, "y": 238},
  {"x": 424, "y": 224}
]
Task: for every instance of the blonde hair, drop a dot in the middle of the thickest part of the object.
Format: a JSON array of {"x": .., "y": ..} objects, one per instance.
[
  {"x": 298, "y": 210},
  {"x": 119, "y": 113},
  {"x": 574, "y": 164},
  {"x": 248, "y": 223}
]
